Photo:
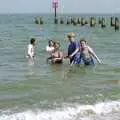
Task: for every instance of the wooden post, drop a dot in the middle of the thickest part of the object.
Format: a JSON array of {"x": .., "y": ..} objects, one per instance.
[
  {"x": 116, "y": 23},
  {"x": 55, "y": 6}
]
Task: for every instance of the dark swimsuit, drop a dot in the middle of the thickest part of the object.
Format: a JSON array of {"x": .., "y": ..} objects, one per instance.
[
  {"x": 57, "y": 61},
  {"x": 87, "y": 61}
]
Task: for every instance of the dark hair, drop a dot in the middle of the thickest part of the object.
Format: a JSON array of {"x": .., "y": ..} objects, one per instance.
[
  {"x": 49, "y": 42},
  {"x": 83, "y": 40},
  {"x": 32, "y": 40}
]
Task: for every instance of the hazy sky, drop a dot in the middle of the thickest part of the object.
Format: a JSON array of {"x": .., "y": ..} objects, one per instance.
[{"x": 65, "y": 6}]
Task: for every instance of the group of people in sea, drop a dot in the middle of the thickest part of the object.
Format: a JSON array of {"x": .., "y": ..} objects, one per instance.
[{"x": 78, "y": 51}]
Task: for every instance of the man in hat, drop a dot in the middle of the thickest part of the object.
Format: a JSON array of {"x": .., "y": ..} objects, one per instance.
[{"x": 73, "y": 49}]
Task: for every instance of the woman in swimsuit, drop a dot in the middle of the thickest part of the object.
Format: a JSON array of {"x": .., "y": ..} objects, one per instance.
[
  {"x": 57, "y": 56},
  {"x": 87, "y": 53}
]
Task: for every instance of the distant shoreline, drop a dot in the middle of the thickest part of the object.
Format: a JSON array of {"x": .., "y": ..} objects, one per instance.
[{"x": 60, "y": 13}]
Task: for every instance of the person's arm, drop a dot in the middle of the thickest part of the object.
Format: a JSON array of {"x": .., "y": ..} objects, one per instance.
[
  {"x": 60, "y": 56},
  {"x": 49, "y": 58},
  {"x": 74, "y": 52},
  {"x": 65, "y": 55},
  {"x": 94, "y": 55}
]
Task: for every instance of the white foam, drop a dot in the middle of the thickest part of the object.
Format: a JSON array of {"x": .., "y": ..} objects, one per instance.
[{"x": 76, "y": 112}]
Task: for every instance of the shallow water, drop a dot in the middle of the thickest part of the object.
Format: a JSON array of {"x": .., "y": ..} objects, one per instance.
[{"x": 56, "y": 92}]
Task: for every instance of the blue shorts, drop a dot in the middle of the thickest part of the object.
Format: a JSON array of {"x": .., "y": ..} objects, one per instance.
[{"x": 76, "y": 60}]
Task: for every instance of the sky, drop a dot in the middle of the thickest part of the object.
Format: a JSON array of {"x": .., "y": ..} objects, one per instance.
[{"x": 65, "y": 6}]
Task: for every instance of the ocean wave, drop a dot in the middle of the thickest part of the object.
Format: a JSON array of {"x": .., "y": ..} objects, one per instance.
[{"x": 74, "y": 112}]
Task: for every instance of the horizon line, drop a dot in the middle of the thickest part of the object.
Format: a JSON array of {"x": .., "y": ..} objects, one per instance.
[{"x": 58, "y": 13}]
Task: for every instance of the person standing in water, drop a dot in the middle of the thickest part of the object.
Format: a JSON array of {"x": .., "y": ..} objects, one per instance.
[
  {"x": 73, "y": 49},
  {"x": 56, "y": 56},
  {"x": 31, "y": 50},
  {"x": 87, "y": 54}
]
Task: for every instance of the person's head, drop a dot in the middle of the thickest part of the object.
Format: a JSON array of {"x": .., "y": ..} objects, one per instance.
[
  {"x": 83, "y": 42},
  {"x": 32, "y": 41},
  {"x": 50, "y": 42},
  {"x": 56, "y": 44},
  {"x": 71, "y": 36}
]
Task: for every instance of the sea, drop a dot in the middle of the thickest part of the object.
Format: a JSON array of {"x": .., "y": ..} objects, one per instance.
[{"x": 45, "y": 91}]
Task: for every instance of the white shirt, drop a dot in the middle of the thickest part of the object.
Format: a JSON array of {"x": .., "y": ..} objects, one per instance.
[
  {"x": 49, "y": 49},
  {"x": 31, "y": 51}
]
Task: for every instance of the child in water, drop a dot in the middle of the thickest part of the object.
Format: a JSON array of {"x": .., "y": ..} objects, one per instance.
[
  {"x": 31, "y": 50},
  {"x": 87, "y": 53},
  {"x": 73, "y": 49},
  {"x": 56, "y": 55}
]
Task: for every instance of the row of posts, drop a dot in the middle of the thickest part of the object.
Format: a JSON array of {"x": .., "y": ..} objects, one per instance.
[{"x": 93, "y": 21}]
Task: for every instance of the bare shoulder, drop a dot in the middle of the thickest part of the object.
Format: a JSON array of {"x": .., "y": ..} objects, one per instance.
[{"x": 89, "y": 48}]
